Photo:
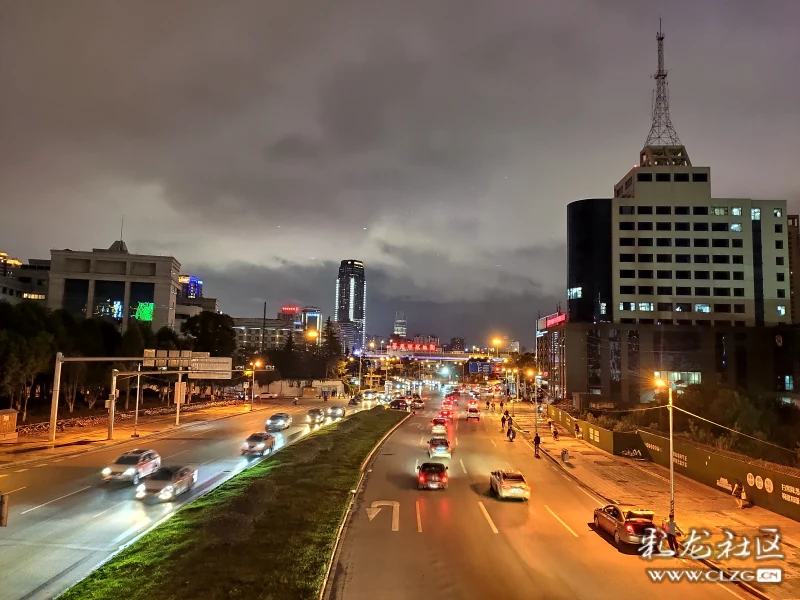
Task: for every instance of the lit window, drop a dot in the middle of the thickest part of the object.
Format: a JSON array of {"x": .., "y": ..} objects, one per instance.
[
  {"x": 602, "y": 308},
  {"x": 778, "y": 212},
  {"x": 574, "y": 293},
  {"x": 720, "y": 211},
  {"x": 755, "y": 214},
  {"x": 736, "y": 226},
  {"x": 736, "y": 211},
  {"x": 788, "y": 383},
  {"x": 31, "y": 296},
  {"x": 702, "y": 308},
  {"x": 781, "y": 310},
  {"x": 646, "y": 306},
  {"x": 626, "y": 305}
]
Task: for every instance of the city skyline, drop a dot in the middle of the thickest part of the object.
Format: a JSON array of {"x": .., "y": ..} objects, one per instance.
[{"x": 393, "y": 147}]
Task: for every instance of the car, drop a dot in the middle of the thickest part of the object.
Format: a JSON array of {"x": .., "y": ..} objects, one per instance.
[
  {"x": 417, "y": 404},
  {"x": 354, "y": 402},
  {"x": 278, "y": 421},
  {"x": 167, "y": 483},
  {"x": 473, "y": 412},
  {"x": 258, "y": 443},
  {"x": 133, "y": 466},
  {"x": 439, "y": 446},
  {"x": 509, "y": 484},
  {"x": 271, "y": 395},
  {"x": 472, "y": 404},
  {"x": 314, "y": 416},
  {"x": 337, "y": 411},
  {"x": 445, "y": 414},
  {"x": 447, "y": 404},
  {"x": 398, "y": 405},
  {"x": 432, "y": 476},
  {"x": 626, "y": 523},
  {"x": 439, "y": 425}
]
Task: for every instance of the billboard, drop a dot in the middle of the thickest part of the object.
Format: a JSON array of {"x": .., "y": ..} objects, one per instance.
[
  {"x": 411, "y": 347},
  {"x": 551, "y": 321}
]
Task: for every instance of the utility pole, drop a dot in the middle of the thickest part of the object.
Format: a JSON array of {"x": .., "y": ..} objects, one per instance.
[
  {"x": 138, "y": 396},
  {"x": 179, "y": 396},
  {"x": 112, "y": 401},
  {"x": 263, "y": 329}
]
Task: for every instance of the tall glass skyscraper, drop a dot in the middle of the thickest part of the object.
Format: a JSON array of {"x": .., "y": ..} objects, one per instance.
[{"x": 351, "y": 296}]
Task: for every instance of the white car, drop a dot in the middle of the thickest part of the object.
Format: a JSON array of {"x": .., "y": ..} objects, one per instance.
[
  {"x": 509, "y": 484},
  {"x": 268, "y": 395},
  {"x": 439, "y": 425}
]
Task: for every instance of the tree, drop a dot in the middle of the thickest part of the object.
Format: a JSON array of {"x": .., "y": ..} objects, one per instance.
[
  {"x": 36, "y": 354},
  {"x": 211, "y": 332},
  {"x": 132, "y": 344}
]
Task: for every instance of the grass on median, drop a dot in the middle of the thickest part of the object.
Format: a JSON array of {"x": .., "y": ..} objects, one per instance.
[{"x": 265, "y": 534}]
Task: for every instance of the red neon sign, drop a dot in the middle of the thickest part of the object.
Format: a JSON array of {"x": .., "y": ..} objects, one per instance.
[
  {"x": 555, "y": 320},
  {"x": 290, "y": 309}
]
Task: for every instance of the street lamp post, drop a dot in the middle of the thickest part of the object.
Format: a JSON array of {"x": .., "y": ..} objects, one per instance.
[
  {"x": 496, "y": 344},
  {"x": 255, "y": 366},
  {"x": 662, "y": 383}
]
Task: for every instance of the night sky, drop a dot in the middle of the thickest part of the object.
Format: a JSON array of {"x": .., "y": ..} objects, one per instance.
[{"x": 438, "y": 141}]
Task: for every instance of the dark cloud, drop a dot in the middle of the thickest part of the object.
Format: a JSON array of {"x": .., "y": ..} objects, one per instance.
[{"x": 439, "y": 142}]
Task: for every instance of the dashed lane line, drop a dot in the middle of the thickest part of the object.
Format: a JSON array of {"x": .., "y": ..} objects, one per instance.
[
  {"x": 488, "y": 518},
  {"x": 24, "y": 512},
  {"x": 419, "y": 519},
  {"x": 560, "y": 520}
]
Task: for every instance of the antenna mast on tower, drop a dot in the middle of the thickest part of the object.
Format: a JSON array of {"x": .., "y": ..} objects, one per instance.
[{"x": 663, "y": 147}]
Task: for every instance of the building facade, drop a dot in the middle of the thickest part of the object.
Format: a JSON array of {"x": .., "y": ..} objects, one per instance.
[
  {"x": 457, "y": 344},
  {"x": 793, "y": 235},
  {"x": 351, "y": 297},
  {"x": 256, "y": 334},
  {"x": 116, "y": 285},
  {"x": 400, "y": 325},
  {"x": 20, "y": 281},
  {"x": 191, "y": 288}
]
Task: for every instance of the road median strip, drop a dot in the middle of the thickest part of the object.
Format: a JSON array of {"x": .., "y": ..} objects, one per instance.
[{"x": 268, "y": 532}]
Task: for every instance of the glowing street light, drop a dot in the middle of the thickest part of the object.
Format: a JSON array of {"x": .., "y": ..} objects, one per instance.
[
  {"x": 312, "y": 334},
  {"x": 255, "y": 365}
]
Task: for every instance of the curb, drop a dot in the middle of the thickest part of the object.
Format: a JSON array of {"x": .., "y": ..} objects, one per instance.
[
  {"x": 112, "y": 444},
  {"x": 325, "y": 590},
  {"x": 745, "y": 586}
]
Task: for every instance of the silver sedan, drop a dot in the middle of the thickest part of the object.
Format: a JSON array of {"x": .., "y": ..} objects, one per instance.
[{"x": 167, "y": 483}]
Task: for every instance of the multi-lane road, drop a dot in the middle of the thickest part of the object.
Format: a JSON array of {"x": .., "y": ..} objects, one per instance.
[
  {"x": 463, "y": 543},
  {"x": 64, "y": 520}
]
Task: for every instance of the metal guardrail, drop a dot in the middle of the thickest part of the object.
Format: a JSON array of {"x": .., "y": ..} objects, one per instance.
[{"x": 96, "y": 420}]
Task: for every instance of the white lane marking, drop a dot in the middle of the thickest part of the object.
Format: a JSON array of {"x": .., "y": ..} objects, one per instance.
[
  {"x": 19, "y": 489},
  {"x": 488, "y": 518},
  {"x": 109, "y": 508},
  {"x": 568, "y": 528},
  {"x": 527, "y": 444},
  {"x": 731, "y": 592},
  {"x": 176, "y": 454},
  {"x": 565, "y": 477},
  {"x": 41, "y": 465},
  {"x": 419, "y": 519},
  {"x": 456, "y": 441},
  {"x": 463, "y": 468},
  {"x": 493, "y": 444},
  {"x": 58, "y": 460},
  {"x": 508, "y": 464},
  {"x": 20, "y": 470},
  {"x": 422, "y": 440},
  {"x": 210, "y": 460},
  {"x": 6, "y": 475},
  {"x": 592, "y": 497},
  {"x": 128, "y": 532},
  {"x": 56, "y": 499}
]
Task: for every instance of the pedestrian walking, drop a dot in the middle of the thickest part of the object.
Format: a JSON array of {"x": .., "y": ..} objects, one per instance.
[
  {"x": 738, "y": 493},
  {"x": 672, "y": 530},
  {"x": 493, "y": 406},
  {"x": 577, "y": 431},
  {"x": 510, "y": 422},
  {"x": 503, "y": 423},
  {"x": 511, "y": 434},
  {"x": 501, "y": 405}
]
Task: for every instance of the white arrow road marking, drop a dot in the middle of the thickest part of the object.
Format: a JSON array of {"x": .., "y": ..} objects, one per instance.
[{"x": 375, "y": 508}]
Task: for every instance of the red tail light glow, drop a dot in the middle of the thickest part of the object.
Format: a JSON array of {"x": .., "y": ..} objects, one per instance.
[
  {"x": 421, "y": 478},
  {"x": 629, "y": 528},
  {"x": 444, "y": 478}
]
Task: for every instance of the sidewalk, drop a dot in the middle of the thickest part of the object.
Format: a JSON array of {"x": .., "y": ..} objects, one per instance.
[
  {"x": 29, "y": 449},
  {"x": 697, "y": 506}
]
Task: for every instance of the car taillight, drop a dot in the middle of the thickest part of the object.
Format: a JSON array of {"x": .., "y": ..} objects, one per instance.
[
  {"x": 422, "y": 478},
  {"x": 506, "y": 486},
  {"x": 444, "y": 478},
  {"x": 629, "y": 528}
]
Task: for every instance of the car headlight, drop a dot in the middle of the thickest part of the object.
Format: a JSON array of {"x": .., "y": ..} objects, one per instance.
[
  {"x": 245, "y": 446},
  {"x": 308, "y": 418},
  {"x": 141, "y": 488},
  {"x": 107, "y": 471},
  {"x": 130, "y": 471},
  {"x": 260, "y": 446}
]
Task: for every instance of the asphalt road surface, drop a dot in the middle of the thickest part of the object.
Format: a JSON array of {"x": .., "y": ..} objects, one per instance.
[
  {"x": 462, "y": 543},
  {"x": 64, "y": 520}
]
